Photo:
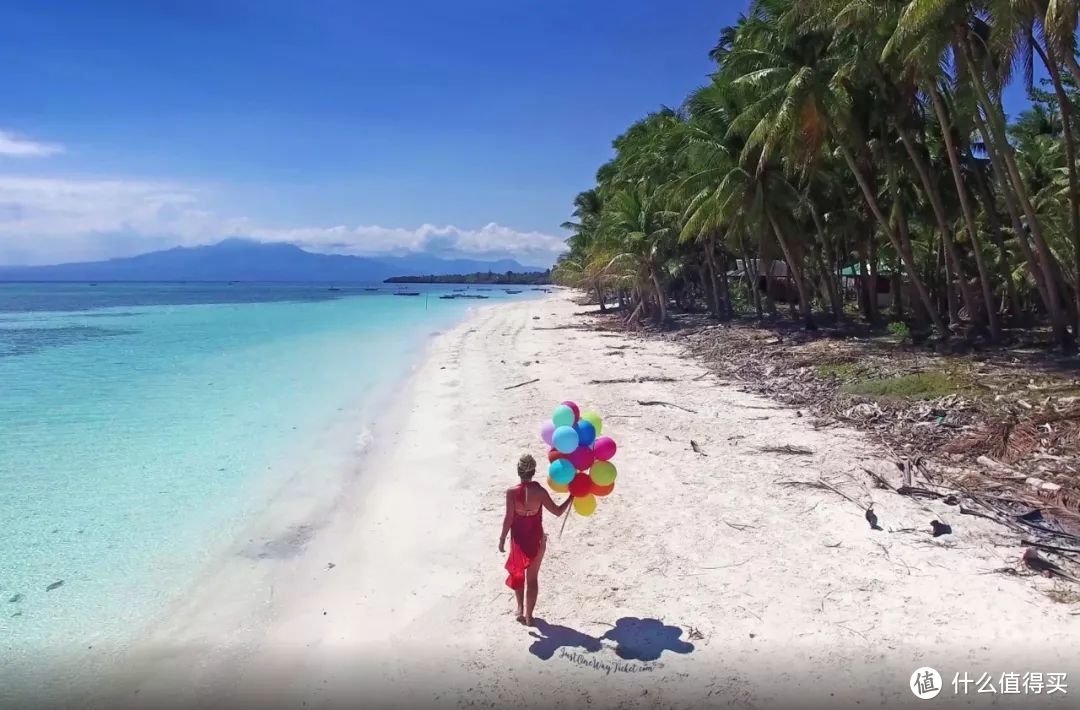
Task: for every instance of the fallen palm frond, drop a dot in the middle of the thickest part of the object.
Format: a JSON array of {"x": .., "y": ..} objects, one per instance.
[{"x": 787, "y": 449}]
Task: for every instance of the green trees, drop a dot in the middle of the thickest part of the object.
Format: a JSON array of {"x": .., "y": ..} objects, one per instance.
[{"x": 859, "y": 135}]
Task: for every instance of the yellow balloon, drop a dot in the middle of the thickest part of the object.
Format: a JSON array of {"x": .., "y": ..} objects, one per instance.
[
  {"x": 594, "y": 419},
  {"x": 585, "y": 505},
  {"x": 557, "y": 487},
  {"x": 603, "y": 473}
]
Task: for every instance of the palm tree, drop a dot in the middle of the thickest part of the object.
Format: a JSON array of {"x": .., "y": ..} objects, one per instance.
[{"x": 841, "y": 131}]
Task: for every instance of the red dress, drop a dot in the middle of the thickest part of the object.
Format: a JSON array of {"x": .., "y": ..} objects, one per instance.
[{"x": 526, "y": 537}]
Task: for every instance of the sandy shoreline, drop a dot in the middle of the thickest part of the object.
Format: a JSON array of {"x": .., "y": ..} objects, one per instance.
[{"x": 700, "y": 580}]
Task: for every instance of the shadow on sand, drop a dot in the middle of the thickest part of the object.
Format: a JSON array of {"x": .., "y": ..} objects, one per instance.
[
  {"x": 645, "y": 639},
  {"x": 635, "y": 639},
  {"x": 550, "y": 638}
]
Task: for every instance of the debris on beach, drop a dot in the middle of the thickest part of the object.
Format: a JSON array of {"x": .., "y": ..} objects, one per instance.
[
  {"x": 1033, "y": 560},
  {"x": 54, "y": 585},
  {"x": 787, "y": 449},
  {"x": 871, "y": 517},
  {"x": 938, "y": 528},
  {"x": 521, "y": 384},
  {"x": 15, "y": 599},
  {"x": 995, "y": 434}
]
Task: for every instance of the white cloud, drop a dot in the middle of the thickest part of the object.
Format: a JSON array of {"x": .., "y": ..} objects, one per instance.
[
  {"x": 45, "y": 220},
  {"x": 16, "y": 147}
]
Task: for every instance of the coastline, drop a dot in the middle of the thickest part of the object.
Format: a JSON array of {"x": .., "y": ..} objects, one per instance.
[
  {"x": 317, "y": 471},
  {"x": 700, "y": 577}
]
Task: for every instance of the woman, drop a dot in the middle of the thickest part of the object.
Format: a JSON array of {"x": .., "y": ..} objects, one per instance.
[{"x": 524, "y": 507}]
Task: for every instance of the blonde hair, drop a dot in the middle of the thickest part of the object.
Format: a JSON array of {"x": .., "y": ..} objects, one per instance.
[{"x": 526, "y": 466}]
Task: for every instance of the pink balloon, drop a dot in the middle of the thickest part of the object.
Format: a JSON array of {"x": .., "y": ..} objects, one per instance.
[
  {"x": 574, "y": 407},
  {"x": 582, "y": 458},
  {"x": 604, "y": 448},
  {"x": 546, "y": 432}
]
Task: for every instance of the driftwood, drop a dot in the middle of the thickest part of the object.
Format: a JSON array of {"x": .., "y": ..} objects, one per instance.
[
  {"x": 1052, "y": 548},
  {"x": 786, "y": 449},
  {"x": 882, "y": 483},
  {"x": 631, "y": 380},
  {"x": 821, "y": 484},
  {"x": 916, "y": 492},
  {"x": 656, "y": 403},
  {"x": 521, "y": 384}
]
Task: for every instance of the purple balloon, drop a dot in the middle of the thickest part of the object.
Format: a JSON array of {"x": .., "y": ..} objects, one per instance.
[{"x": 546, "y": 432}]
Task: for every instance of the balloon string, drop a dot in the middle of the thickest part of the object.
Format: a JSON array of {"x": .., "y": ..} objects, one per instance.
[{"x": 565, "y": 519}]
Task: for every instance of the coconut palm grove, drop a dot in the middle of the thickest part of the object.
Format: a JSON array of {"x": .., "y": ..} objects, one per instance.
[{"x": 843, "y": 148}]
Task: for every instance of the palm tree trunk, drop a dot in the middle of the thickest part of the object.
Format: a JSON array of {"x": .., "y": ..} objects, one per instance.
[
  {"x": 725, "y": 284},
  {"x": 993, "y": 220},
  {"x": 1040, "y": 273},
  {"x": 933, "y": 194},
  {"x": 710, "y": 262},
  {"x": 1070, "y": 153},
  {"x": 751, "y": 277},
  {"x": 866, "y": 288},
  {"x": 995, "y": 121},
  {"x": 835, "y": 301},
  {"x": 969, "y": 217},
  {"x": 905, "y": 251},
  {"x": 661, "y": 296},
  {"x": 1073, "y": 66},
  {"x": 796, "y": 274}
]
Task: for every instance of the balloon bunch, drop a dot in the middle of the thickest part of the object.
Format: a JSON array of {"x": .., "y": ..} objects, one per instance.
[{"x": 579, "y": 460}]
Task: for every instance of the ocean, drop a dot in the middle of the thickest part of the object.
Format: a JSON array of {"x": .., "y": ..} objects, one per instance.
[{"x": 142, "y": 425}]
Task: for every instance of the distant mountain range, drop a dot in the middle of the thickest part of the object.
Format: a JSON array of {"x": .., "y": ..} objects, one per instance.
[{"x": 245, "y": 260}]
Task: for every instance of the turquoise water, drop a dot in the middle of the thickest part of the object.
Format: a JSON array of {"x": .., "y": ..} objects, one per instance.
[{"x": 138, "y": 424}]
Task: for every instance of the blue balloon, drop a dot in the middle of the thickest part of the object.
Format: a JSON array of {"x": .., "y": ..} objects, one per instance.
[
  {"x": 561, "y": 471},
  {"x": 565, "y": 440},
  {"x": 586, "y": 432}
]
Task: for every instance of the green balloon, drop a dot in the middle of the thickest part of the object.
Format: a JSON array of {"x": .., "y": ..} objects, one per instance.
[
  {"x": 603, "y": 473},
  {"x": 594, "y": 419},
  {"x": 562, "y": 416}
]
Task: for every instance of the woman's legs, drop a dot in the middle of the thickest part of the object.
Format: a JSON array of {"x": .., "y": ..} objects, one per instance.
[
  {"x": 532, "y": 583},
  {"x": 520, "y": 594}
]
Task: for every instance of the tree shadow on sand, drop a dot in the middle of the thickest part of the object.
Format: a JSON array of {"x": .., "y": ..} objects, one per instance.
[
  {"x": 645, "y": 639},
  {"x": 550, "y": 638}
]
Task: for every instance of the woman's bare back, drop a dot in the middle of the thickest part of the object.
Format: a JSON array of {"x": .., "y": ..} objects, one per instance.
[{"x": 528, "y": 498}]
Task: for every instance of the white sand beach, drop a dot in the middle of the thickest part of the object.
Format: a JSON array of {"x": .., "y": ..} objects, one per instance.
[{"x": 699, "y": 581}]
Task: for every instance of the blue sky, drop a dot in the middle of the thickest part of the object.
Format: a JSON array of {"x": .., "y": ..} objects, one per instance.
[{"x": 370, "y": 126}]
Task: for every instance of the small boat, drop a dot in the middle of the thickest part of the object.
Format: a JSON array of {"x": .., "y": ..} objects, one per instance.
[
  {"x": 511, "y": 291},
  {"x": 407, "y": 293},
  {"x": 472, "y": 296},
  {"x": 371, "y": 289},
  {"x": 333, "y": 288},
  {"x": 483, "y": 289},
  {"x": 459, "y": 290},
  {"x": 449, "y": 296}
]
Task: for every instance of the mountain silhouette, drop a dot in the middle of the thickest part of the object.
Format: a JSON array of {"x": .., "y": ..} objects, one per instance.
[{"x": 237, "y": 259}]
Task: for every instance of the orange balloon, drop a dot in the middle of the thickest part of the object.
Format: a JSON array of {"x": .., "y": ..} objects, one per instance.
[
  {"x": 557, "y": 487},
  {"x": 601, "y": 491},
  {"x": 554, "y": 455}
]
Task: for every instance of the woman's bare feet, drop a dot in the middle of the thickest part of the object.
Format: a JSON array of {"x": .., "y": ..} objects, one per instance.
[
  {"x": 527, "y": 620},
  {"x": 519, "y": 615}
]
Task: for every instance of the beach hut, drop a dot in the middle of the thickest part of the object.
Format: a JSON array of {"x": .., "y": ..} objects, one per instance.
[
  {"x": 885, "y": 286},
  {"x": 773, "y": 278}
]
